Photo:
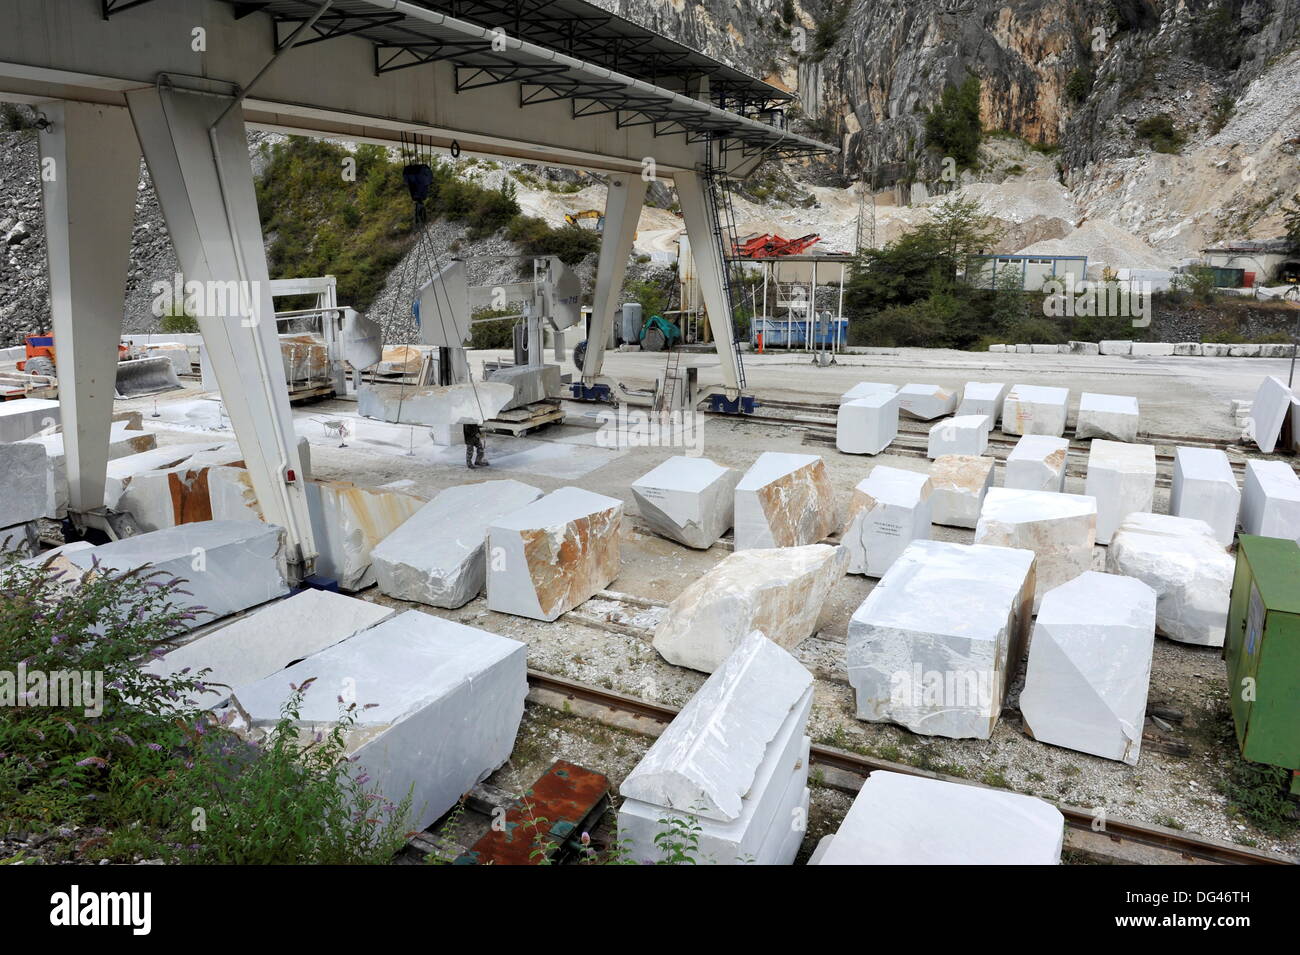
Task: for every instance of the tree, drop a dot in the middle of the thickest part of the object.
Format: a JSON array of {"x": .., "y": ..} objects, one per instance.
[
  {"x": 952, "y": 127},
  {"x": 1291, "y": 216}
]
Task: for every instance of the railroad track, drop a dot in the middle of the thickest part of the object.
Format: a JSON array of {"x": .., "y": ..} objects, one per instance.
[{"x": 1106, "y": 838}]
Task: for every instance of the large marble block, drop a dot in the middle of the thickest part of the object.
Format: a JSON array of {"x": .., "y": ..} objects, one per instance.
[
  {"x": 437, "y": 555},
  {"x": 183, "y": 492},
  {"x": 268, "y": 640},
  {"x": 959, "y": 483},
  {"x": 27, "y": 479},
  {"x": 443, "y": 409},
  {"x": 690, "y": 500},
  {"x": 909, "y": 820},
  {"x": 122, "y": 472},
  {"x": 865, "y": 389},
  {"x": 939, "y": 639},
  {"x": 530, "y": 382},
  {"x": 866, "y": 425},
  {"x": 784, "y": 500},
  {"x": 1037, "y": 463},
  {"x": 926, "y": 402},
  {"x": 1060, "y": 529},
  {"x": 1090, "y": 665},
  {"x": 23, "y": 417},
  {"x": 1189, "y": 570},
  {"x": 1270, "y": 504},
  {"x": 778, "y": 591},
  {"x": 1268, "y": 412},
  {"x": 1035, "y": 409},
  {"x": 734, "y": 762},
  {"x": 227, "y": 566},
  {"x": 348, "y": 521},
  {"x": 983, "y": 398},
  {"x": 1114, "y": 417},
  {"x": 122, "y": 440},
  {"x": 439, "y": 705},
  {"x": 961, "y": 434},
  {"x": 549, "y": 556},
  {"x": 1205, "y": 488},
  {"x": 1122, "y": 477},
  {"x": 889, "y": 509}
]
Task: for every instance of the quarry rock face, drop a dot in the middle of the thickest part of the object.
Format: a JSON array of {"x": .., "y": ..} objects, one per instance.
[
  {"x": 1037, "y": 463},
  {"x": 959, "y": 483},
  {"x": 228, "y": 566},
  {"x": 938, "y": 641},
  {"x": 889, "y": 509},
  {"x": 348, "y": 521},
  {"x": 688, "y": 499},
  {"x": 867, "y": 425},
  {"x": 909, "y": 820},
  {"x": 961, "y": 434},
  {"x": 1190, "y": 572},
  {"x": 1122, "y": 477},
  {"x": 926, "y": 402},
  {"x": 1114, "y": 417},
  {"x": 983, "y": 398},
  {"x": 437, "y": 556},
  {"x": 1035, "y": 409},
  {"x": 1060, "y": 529},
  {"x": 784, "y": 500},
  {"x": 777, "y": 591},
  {"x": 444, "y": 409},
  {"x": 439, "y": 705},
  {"x": 1090, "y": 666},
  {"x": 551, "y": 555},
  {"x": 1205, "y": 489},
  {"x": 1270, "y": 505},
  {"x": 733, "y": 762}
]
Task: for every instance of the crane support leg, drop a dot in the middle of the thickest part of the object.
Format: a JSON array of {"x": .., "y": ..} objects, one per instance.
[
  {"x": 205, "y": 187},
  {"x": 90, "y": 169},
  {"x": 622, "y": 210}
]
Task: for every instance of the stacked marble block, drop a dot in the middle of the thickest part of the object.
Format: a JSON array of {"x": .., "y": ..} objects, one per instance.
[
  {"x": 784, "y": 500},
  {"x": 1205, "y": 489},
  {"x": 983, "y": 398},
  {"x": 959, "y": 483},
  {"x": 1035, "y": 409},
  {"x": 937, "y": 641},
  {"x": 1189, "y": 570},
  {"x": 960, "y": 434},
  {"x": 1113, "y": 417},
  {"x": 1037, "y": 463},
  {"x": 889, "y": 509},
  {"x": 867, "y": 425},
  {"x": 424, "y": 562},
  {"x": 1122, "y": 477},
  {"x": 1060, "y": 529},
  {"x": 733, "y": 762},
  {"x": 898, "y": 819},
  {"x": 1090, "y": 666},
  {"x": 777, "y": 591},
  {"x": 688, "y": 499},
  {"x": 549, "y": 556},
  {"x": 926, "y": 402},
  {"x": 438, "y": 706},
  {"x": 1270, "y": 505}
]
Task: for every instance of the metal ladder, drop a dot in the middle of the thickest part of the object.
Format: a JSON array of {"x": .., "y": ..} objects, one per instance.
[
  {"x": 717, "y": 194},
  {"x": 665, "y": 400}
]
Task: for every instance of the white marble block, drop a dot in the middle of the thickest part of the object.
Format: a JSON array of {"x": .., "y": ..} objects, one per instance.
[
  {"x": 1035, "y": 409},
  {"x": 961, "y": 434},
  {"x": 227, "y": 566},
  {"x": 439, "y": 705},
  {"x": 436, "y": 556},
  {"x": 866, "y": 425},
  {"x": 183, "y": 492},
  {"x": 122, "y": 441},
  {"x": 268, "y": 640},
  {"x": 1060, "y": 529},
  {"x": 778, "y": 591},
  {"x": 530, "y": 383},
  {"x": 983, "y": 397},
  {"x": 348, "y": 521},
  {"x": 122, "y": 472},
  {"x": 865, "y": 389},
  {"x": 1189, "y": 570},
  {"x": 937, "y": 642},
  {"x": 733, "y": 762},
  {"x": 959, "y": 483},
  {"x": 690, "y": 500},
  {"x": 1037, "y": 463},
  {"x": 1270, "y": 505},
  {"x": 926, "y": 402},
  {"x": 23, "y": 417},
  {"x": 28, "y": 483},
  {"x": 909, "y": 820},
  {"x": 549, "y": 556},
  {"x": 1122, "y": 477},
  {"x": 784, "y": 500},
  {"x": 1114, "y": 417},
  {"x": 1206, "y": 489},
  {"x": 1268, "y": 412},
  {"x": 889, "y": 509},
  {"x": 443, "y": 409},
  {"x": 1090, "y": 665}
]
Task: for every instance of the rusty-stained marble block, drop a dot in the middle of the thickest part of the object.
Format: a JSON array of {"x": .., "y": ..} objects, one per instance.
[{"x": 785, "y": 500}]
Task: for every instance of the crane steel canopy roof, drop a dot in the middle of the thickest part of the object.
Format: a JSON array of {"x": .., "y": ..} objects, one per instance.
[{"x": 555, "y": 50}]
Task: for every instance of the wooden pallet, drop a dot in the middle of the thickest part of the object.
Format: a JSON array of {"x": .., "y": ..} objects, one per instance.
[{"x": 520, "y": 421}]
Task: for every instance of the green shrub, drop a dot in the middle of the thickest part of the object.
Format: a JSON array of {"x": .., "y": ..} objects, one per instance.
[
  {"x": 488, "y": 334},
  {"x": 1079, "y": 85},
  {"x": 952, "y": 126},
  {"x": 1161, "y": 134}
]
